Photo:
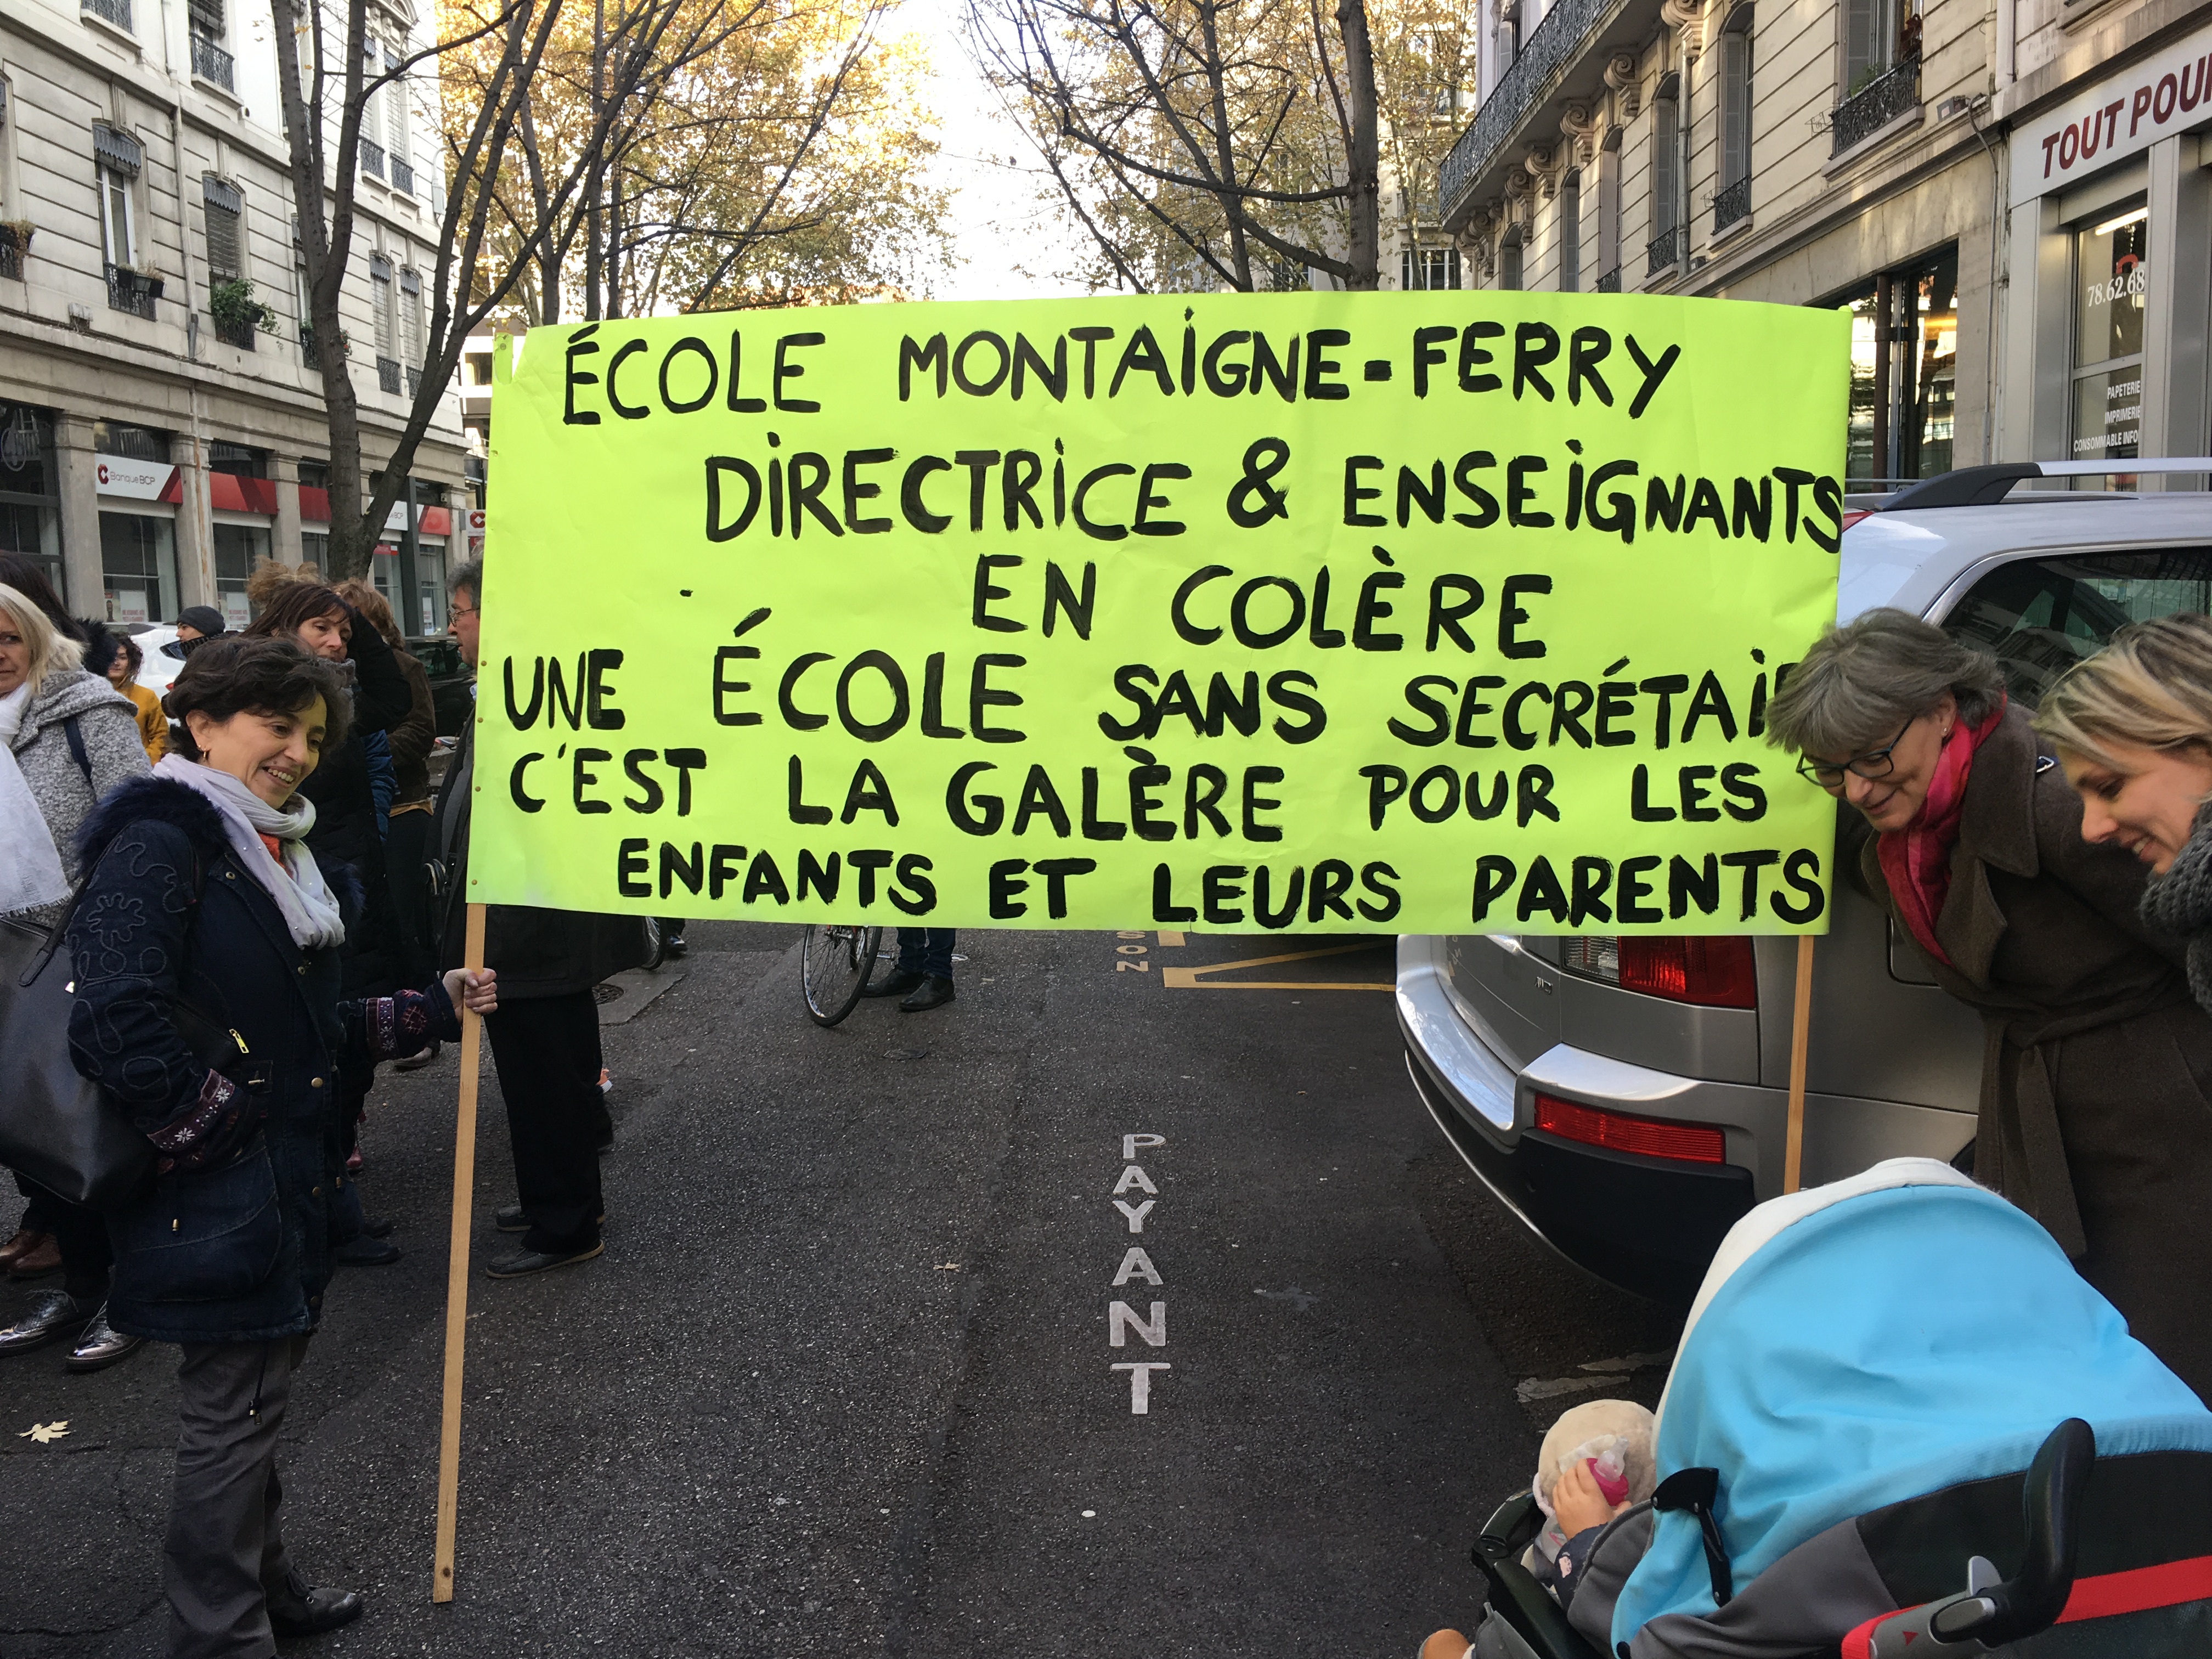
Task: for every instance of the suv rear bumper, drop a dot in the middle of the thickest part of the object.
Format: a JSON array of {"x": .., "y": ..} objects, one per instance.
[{"x": 1650, "y": 1225}]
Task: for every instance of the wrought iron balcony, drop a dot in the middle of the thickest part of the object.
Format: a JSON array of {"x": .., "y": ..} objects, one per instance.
[
  {"x": 403, "y": 176},
  {"x": 388, "y": 374},
  {"x": 372, "y": 157},
  {"x": 1610, "y": 282},
  {"x": 238, "y": 331},
  {"x": 1732, "y": 204},
  {"x": 1567, "y": 31},
  {"x": 11, "y": 260},
  {"x": 307, "y": 347},
  {"x": 211, "y": 63},
  {"x": 414, "y": 381},
  {"x": 1874, "y": 105},
  {"x": 1667, "y": 249},
  {"x": 116, "y": 12},
  {"x": 132, "y": 291}
]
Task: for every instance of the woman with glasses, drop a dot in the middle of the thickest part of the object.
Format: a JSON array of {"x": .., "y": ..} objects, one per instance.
[{"x": 2096, "y": 1098}]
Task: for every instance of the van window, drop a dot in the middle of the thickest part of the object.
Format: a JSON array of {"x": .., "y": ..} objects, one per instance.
[{"x": 2040, "y": 617}]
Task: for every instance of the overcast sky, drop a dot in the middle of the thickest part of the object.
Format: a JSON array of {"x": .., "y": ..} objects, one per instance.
[{"x": 1001, "y": 227}]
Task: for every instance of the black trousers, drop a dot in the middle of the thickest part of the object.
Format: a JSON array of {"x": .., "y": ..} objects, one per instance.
[
  {"x": 405, "y": 849},
  {"x": 80, "y": 1233},
  {"x": 926, "y": 951},
  {"x": 547, "y": 1049}
]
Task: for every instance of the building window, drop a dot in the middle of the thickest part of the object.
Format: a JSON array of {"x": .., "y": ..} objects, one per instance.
[
  {"x": 1571, "y": 232},
  {"x": 1665, "y": 249},
  {"x": 138, "y": 566},
  {"x": 396, "y": 138},
  {"x": 479, "y": 368},
  {"x": 1509, "y": 265},
  {"x": 238, "y": 549},
  {"x": 1904, "y": 387},
  {"x": 1418, "y": 268},
  {"x": 211, "y": 61},
  {"x": 1732, "y": 200},
  {"x": 1434, "y": 63},
  {"x": 1878, "y": 35},
  {"x": 2112, "y": 282},
  {"x": 119, "y": 158}
]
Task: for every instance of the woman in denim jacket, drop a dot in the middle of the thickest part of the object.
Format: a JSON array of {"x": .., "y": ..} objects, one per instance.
[{"x": 206, "y": 913}]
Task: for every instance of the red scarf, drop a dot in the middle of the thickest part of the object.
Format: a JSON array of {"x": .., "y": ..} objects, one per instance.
[{"x": 1915, "y": 860}]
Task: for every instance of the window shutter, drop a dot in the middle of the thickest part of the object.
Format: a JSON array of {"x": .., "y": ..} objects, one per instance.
[
  {"x": 1860, "y": 36},
  {"x": 395, "y": 111},
  {"x": 225, "y": 211},
  {"x": 1735, "y": 108},
  {"x": 1664, "y": 155},
  {"x": 379, "y": 288},
  {"x": 206, "y": 17},
  {"x": 1571, "y": 234}
]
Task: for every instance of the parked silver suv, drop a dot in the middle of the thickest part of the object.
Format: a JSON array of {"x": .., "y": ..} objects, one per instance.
[{"x": 1624, "y": 1096}]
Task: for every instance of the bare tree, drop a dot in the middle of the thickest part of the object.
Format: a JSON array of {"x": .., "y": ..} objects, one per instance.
[
  {"x": 1227, "y": 140},
  {"x": 499, "y": 45}
]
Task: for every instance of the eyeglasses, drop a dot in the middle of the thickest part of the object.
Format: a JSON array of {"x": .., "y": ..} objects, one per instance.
[
  {"x": 1874, "y": 764},
  {"x": 460, "y": 611}
]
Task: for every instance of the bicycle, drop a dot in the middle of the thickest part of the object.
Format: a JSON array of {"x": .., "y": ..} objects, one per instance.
[{"x": 835, "y": 964}]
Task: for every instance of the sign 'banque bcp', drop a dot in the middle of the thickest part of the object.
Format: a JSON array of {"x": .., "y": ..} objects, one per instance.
[{"x": 1445, "y": 612}]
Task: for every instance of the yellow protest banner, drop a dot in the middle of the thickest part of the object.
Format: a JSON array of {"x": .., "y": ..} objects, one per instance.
[{"x": 1441, "y": 611}]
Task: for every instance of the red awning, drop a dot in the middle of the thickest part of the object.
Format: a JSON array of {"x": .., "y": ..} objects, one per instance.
[
  {"x": 229, "y": 493},
  {"x": 436, "y": 522},
  {"x": 314, "y": 505}
]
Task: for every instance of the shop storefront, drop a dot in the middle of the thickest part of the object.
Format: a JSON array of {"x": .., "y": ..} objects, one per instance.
[
  {"x": 2106, "y": 349},
  {"x": 30, "y": 504},
  {"x": 138, "y": 491}
]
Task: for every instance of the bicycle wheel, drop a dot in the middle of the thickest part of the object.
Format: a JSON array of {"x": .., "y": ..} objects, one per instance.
[{"x": 834, "y": 966}]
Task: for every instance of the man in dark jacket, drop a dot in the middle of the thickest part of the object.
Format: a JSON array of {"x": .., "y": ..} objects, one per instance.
[{"x": 545, "y": 1036}]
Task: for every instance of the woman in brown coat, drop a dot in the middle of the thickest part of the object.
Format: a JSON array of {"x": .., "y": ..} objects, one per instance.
[{"x": 2096, "y": 1099}]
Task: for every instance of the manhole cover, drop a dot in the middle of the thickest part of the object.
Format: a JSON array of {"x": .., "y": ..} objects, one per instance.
[
  {"x": 906, "y": 1054},
  {"x": 606, "y": 993}
]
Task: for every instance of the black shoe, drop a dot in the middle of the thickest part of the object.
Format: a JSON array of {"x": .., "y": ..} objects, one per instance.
[
  {"x": 674, "y": 945},
  {"x": 47, "y": 1317},
  {"x": 365, "y": 1252},
  {"x": 319, "y": 1610},
  {"x": 525, "y": 1262},
  {"x": 931, "y": 993},
  {"x": 511, "y": 1219},
  {"x": 102, "y": 1346},
  {"x": 376, "y": 1226},
  {"x": 896, "y": 985}
]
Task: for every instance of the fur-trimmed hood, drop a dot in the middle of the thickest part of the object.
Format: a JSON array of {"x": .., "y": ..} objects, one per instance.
[{"x": 165, "y": 800}]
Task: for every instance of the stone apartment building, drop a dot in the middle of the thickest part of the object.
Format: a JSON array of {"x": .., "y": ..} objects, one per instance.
[
  {"x": 149, "y": 454},
  {"x": 2011, "y": 197}
]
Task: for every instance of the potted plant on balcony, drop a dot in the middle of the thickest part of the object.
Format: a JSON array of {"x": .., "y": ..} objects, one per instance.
[
  {"x": 236, "y": 312},
  {"x": 16, "y": 236},
  {"x": 147, "y": 279}
]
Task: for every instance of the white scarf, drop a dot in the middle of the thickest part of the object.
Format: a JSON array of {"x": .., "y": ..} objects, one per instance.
[
  {"x": 296, "y": 885},
  {"x": 30, "y": 868}
]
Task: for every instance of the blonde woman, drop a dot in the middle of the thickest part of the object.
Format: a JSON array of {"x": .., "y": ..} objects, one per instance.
[
  {"x": 2133, "y": 728},
  {"x": 70, "y": 738}
]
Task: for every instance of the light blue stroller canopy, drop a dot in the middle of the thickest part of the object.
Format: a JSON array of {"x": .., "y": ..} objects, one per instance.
[{"x": 1876, "y": 1340}]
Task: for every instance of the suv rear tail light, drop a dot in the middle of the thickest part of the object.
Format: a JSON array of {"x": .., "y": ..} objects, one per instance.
[
  {"x": 1853, "y": 517},
  {"x": 1716, "y": 972},
  {"x": 1618, "y": 1131}
]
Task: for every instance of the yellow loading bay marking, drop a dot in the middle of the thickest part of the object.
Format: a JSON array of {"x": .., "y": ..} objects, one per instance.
[{"x": 1201, "y": 979}]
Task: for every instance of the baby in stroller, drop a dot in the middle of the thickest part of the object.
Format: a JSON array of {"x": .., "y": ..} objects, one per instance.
[
  {"x": 1899, "y": 1422},
  {"x": 1595, "y": 1464}
]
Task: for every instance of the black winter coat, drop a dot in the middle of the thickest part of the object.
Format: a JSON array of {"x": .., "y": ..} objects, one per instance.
[
  {"x": 231, "y": 1244},
  {"x": 537, "y": 952}
]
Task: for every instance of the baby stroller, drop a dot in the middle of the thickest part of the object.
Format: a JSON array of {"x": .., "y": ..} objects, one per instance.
[{"x": 1899, "y": 1424}]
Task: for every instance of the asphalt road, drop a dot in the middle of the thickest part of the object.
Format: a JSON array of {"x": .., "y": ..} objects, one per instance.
[{"x": 843, "y": 1382}]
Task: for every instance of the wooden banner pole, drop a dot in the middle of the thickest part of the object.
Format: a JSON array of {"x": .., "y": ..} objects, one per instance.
[
  {"x": 1801, "y": 1028},
  {"x": 456, "y": 1274}
]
